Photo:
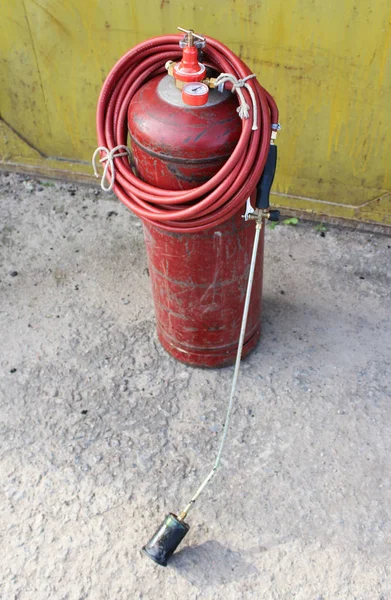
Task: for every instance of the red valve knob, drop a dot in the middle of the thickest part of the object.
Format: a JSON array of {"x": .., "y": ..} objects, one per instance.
[{"x": 189, "y": 69}]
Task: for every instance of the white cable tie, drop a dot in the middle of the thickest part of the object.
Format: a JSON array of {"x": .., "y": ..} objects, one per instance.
[
  {"x": 237, "y": 84},
  {"x": 109, "y": 160}
]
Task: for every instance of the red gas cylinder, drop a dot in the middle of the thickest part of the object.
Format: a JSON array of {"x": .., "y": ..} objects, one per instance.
[{"x": 198, "y": 279}]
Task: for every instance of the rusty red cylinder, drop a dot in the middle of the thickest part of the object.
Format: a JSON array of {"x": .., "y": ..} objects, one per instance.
[{"x": 198, "y": 279}]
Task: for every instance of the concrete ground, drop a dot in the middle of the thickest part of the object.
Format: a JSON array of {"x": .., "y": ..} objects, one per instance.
[{"x": 102, "y": 433}]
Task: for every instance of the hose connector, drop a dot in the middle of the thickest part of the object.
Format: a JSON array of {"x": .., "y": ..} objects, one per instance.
[
  {"x": 259, "y": 214},
  {"x": 275, "y": 128}
]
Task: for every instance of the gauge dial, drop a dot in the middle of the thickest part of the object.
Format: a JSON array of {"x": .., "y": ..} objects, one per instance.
[{"x": 195, "y": 93}]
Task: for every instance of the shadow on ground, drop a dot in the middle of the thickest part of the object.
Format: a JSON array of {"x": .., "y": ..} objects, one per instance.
[{"x": 211, "y": 564}]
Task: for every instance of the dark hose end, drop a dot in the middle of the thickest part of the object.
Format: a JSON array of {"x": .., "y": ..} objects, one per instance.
[
  {"x": 267, "y": 178},
  {"x": 166, "y": 540}
]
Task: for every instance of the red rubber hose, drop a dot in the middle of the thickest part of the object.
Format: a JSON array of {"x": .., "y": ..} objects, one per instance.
[{"x": 220, "y": 197}]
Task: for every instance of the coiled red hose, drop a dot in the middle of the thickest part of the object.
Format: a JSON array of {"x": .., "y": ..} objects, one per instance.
[{"x": 220, "y": 197}]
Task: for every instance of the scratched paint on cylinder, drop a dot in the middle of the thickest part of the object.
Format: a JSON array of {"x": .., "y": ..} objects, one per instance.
[{"x": 199, "y": 294}]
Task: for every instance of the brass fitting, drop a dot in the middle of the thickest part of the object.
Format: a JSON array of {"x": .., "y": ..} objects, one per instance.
[
  {"x": 210, "y": 82},
  {"x": 258, "y": 215},
  {"x": 170, "y": 64}
]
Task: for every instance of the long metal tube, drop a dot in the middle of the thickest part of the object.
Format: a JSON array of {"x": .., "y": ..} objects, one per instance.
[{"x": 258, "y": 227}]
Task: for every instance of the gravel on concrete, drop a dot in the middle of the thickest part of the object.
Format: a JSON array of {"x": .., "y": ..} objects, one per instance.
[{"x": 102, "y": 433}]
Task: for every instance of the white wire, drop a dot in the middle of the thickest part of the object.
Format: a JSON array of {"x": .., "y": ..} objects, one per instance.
[{"x": 236, "y": 372}]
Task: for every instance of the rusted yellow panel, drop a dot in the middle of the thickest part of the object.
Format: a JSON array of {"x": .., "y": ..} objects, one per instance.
[{"x": 327, "y": 63}]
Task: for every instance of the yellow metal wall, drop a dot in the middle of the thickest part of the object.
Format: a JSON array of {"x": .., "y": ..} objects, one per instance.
[{"x": 327, "y": 63}]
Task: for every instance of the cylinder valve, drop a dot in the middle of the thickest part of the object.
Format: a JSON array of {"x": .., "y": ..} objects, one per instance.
[{"x": 189, "y": 69}]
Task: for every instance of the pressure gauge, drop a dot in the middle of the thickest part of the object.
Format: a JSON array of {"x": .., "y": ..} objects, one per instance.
[{"x": 195, "y": 93}]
